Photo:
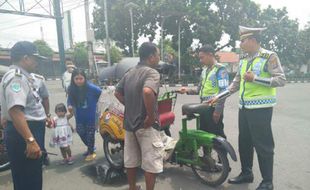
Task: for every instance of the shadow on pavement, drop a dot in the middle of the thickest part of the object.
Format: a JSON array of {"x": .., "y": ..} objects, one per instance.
[{"x": 183, "y": 178}]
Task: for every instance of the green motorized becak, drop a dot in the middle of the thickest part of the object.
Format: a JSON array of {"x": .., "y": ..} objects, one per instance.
[{"x": 204, "y": 152}]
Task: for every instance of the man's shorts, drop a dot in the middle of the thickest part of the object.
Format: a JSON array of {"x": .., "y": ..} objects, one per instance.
[{"x": 144, "y": 148}]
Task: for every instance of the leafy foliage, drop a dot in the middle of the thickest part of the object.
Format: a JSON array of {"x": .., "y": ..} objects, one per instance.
[
  {"x": 303, "y": 47},
  {"x": 116, "y": 54},
  {"x": 205, "y": 21},
  {"x": 80, "y": 55},
  {"x": 44, "y": 49}
]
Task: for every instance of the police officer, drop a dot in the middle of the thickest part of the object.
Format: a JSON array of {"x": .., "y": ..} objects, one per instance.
[
  {"x": 214, "y": 79},
  {"x": 259, "y": 73},
  {"x": 40, "y": 86},
  {"x": 24, "y": 111}
]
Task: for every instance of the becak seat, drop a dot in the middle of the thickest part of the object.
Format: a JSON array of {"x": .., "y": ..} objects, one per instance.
[
  {"x": 166, "y": 119},
  {"x": 166, "y": 116}
]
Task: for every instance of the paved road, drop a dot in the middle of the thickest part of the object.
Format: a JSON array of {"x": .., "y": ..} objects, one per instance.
[{"x": 291, "y": 128}]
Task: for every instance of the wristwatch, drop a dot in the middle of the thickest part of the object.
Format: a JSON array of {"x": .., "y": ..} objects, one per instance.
[
  {"x": 48, "y": 115},
  {"x": 30, "y": 140}
]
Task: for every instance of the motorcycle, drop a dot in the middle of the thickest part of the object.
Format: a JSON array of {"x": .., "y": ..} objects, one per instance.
[{"x": 204, "y": 152}]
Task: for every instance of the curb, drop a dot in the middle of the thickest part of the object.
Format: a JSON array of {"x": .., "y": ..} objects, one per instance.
[
  {"x": 298, "y": 81},
  {"x": 193, "y": 84},
  {"x": 162, "y": 85},
  {"x": 178, "y": 85},
  {"x": 50, "y": 79}
]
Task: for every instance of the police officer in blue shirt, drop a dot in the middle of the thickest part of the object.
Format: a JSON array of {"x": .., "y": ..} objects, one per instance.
[
  {"x": 214, "y": 79},
  {"x": 26, "y": 117}
]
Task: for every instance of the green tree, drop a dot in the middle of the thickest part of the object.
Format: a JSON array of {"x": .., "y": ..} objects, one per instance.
[
  {"x": 116, "y": 54},
  {"x": 303, "y": 47},
  {"x": 79, "y": 55},
  {"x": 281, "y": 34},
  {"x": 44, "y": 49},
  {"x": 168, "y": 48},
  {"x": 206, "y": 21},
  {"x": 119, "y": 24},
  {"x": 203, "y": 20}
]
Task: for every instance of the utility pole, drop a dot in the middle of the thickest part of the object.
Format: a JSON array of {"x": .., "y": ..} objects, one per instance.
[
  {"x": 162, "y": 38},
  {"x": 132, "y": 34},
  {"x": 89, "y": 38},
  {"x": 42, "y": 33},
  {"x": 61, "y": 47},
  {"x": 70, "y": 29},
  {"x": 179, "y": 48},
  {"x": 132, "y": 5},
  {"x": 164, "y": 17},
  {"x": 107, "y": 39}
]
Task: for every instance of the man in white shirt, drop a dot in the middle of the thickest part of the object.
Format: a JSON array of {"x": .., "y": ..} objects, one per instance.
[{"x": 66, "y": 77}]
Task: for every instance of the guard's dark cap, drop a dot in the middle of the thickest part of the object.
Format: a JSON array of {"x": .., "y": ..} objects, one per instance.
[{"x": 22, "y": 48}]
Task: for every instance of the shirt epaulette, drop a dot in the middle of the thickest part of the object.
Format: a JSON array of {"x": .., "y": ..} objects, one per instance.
[
  {"x": 38, "y": 76},
  {"x": 18, "y": 72},
  {"x": 242, "y": 56},
  {"x": 265, "y": 53},
  {"x": 218, "y": 65}
]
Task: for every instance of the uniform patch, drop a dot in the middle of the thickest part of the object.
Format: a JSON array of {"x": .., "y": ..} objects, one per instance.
[
  {"x": 223, "y": 74},
  {"x": 274, "y": 62},
  {"x": 15, "y": 86}
]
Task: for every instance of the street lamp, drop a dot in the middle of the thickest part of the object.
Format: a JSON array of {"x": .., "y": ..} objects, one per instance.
[
  {"x": 179, "y": 46},
  {"x": 162, "y": 38},
  {"x": 131, "y": 6},
  {"x": 164, "y": 17},
  {"x": 107, "y": 43}
]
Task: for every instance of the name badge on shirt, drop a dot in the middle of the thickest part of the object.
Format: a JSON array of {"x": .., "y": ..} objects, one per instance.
[{"x": 223, "y": 83}]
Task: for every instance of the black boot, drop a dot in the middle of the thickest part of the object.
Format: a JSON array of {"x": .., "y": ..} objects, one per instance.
[
  {"x": 266, "y": 167},
  {"x": 242, "y": 178},
  {"x": 265, "y": 186}
]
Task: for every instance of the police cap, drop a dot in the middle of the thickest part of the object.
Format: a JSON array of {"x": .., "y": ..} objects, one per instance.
[{"x": 246, "y": 32}]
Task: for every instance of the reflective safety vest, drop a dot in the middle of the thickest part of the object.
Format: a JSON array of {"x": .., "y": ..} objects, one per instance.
[
  {"x": 209, "y": 84},
  {"x": 251, "y": 94}
]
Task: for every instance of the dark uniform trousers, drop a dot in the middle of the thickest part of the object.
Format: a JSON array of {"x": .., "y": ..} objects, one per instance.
[
  {"x": 207, "y": 123},
  {"x": 26, "y": 173},
  {"x": 255, "y": 132}
]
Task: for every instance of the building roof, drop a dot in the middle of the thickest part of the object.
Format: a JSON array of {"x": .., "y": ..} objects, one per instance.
[
  {"x": 5, "y": 55},
  {"x": 228, "y": 57}
]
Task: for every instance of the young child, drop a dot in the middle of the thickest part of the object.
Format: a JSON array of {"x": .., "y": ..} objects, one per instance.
[{"x": 62, "y": 133}]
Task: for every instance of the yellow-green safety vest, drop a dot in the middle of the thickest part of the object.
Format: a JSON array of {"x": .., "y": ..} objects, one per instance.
[
  {"x": 253, "y": 95},
  {"x": 209, "y": 85}
]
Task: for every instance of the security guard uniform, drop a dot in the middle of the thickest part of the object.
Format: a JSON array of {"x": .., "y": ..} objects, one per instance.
[
  {"x": 212, "y": 81},
  {"x": 39, "y": 83},
  {"x": 256, "y": 101},
  {"x": 18, "y": 88},
  {"x": 41, "y": 89}
]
